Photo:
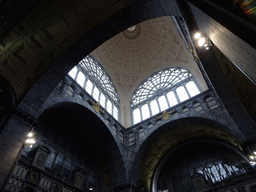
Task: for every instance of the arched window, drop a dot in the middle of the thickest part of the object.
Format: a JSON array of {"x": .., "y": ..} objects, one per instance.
[
  {"x": 154, "y": 107},
  {"x": 98, "y": 84},
  {"x": 115, "y": 112},
  {"x": 192, "y": 88},
  {"x": 109, "y": 107},
  {"x": 88, "y": 87},
  {"x": 136, "y": 116},
  {"x": 98, "y": 74},
  {"x": 162, "y": 90},
  {"x": 96, "y": 93},
  {"x": 102, "y": 100},
  {"x": 163, "y": 103},
  {"x": 73, "y": 72},
  {"x": 158, "y": 83},
  {"x": 172, "y": 99},
  {"x": 80, "y": 79},
  {"x": 145, "y": 111},
  {"x": 182, "y": 93}
]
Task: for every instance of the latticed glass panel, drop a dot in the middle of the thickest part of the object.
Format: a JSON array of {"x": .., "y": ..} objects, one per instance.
[
  {"x": 73, "y": 72},
  {"x": 80, "y": 79},
  {"x": 158, "y": 83},
  {"x": 192, "y": 88},
  {"x": 182, "y": 93},
  {"x": 145, "y": 111},
  {"x": 163, "y": 103},
  {"x": 164, "y": 89},
  {"x": 96, "y": 93},
  {"x": 95, "y": 71},
  {"x": 115, "y": 112},
  {"x": 109, "y": 107},
  {"x": 172, "y": 98},
  {"x": 136, "y": 116},
  {"x": 89, "y": 86},
  {"x": 154, "y": 107},
  {"x": 102, "y": 100}
]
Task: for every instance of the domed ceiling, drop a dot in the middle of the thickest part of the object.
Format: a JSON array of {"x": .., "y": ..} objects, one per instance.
[{"x": 139, "y": 51}]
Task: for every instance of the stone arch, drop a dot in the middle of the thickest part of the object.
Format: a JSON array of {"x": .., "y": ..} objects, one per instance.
[
  {"x": 105, "y": 150},
  {"x": 53, "y": 100},
  {"x": 166, "y": 136},
  {"x": 186, "y": 143},
  {"x": 225, "y": 124},
  {"x": 94, "y": 38}
]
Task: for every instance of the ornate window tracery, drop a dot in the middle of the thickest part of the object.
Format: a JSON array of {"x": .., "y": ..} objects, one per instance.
[
  {"x": 161, "y": 91},
  {"x": 98, "y": 74},
  {"x": 91, "y": 76}
]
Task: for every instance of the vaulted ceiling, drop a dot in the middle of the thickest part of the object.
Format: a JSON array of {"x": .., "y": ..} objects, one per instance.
[
  {"x": 143, "y": 49},
  {"x": 29, "y": 47}
]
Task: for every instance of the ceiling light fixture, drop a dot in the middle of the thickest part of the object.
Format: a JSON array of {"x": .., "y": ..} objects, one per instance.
[
  {"x": 201, "y": 41},
  {"x": 197, "y": 35},
  {"x": 253, "y": 158}
]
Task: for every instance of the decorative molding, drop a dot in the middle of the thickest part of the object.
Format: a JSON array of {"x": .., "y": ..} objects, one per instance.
[
  {"x": 97, "y": 107},
  {"x": 166, "y": 115}
]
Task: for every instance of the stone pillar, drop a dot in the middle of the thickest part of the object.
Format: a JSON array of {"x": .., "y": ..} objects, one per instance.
[
  {"x": 246, "y": 128},
  {"x": 12, "y": 140}
]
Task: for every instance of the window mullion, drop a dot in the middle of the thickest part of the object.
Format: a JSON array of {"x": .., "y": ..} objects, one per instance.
[
  {"x": 77, "y": 73},
  {"x": 99, "y": 95},
  {"x": 140, "y": 114},
  {"x": 158, "y": 104},
  {"x": 187, "y": 90},
  {"x": 85, "y": 82},
  {"x": 150, "y": 112},
  {"x": 93, "y": 86},
  {"x": 105, "y": 102},
  {"x": 167, "y": 100},
  {"x": 176, "y": 95}
]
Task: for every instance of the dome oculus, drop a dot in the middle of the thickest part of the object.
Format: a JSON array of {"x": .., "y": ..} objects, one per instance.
[{"x": 132, "y": 32}]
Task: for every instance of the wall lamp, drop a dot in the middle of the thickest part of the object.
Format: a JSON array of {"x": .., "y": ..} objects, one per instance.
[
  {"x": 253, "y": 158},
  {"x": 30, "y": 140},
  {"x": 202, "y": 40}
]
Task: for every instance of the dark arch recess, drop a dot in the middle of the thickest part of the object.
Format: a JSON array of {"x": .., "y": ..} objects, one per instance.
[
  {"x": 185, "y": 144},
  {"x": 98, "y": 143},
  {"x": 168, "y": 128}
]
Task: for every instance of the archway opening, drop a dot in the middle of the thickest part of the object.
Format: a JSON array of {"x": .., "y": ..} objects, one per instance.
[
  {"x": 201, "y": 165},
  {"x": 80, "y": 149}
]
